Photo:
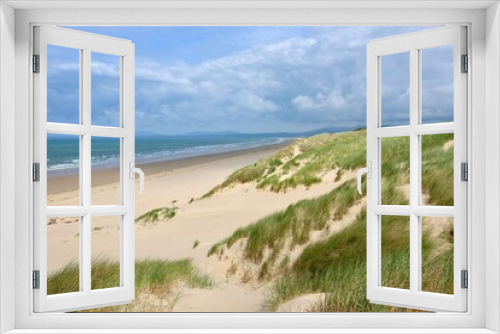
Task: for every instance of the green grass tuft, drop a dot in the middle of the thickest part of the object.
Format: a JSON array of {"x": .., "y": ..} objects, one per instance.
[
  {"x": 316, "y": 155},
  {"x": 158, "y": 214},
  {"x": 337, "y": 265},
  {"x": 297, "y": 221},
  {"x": 148, "y": 273}
]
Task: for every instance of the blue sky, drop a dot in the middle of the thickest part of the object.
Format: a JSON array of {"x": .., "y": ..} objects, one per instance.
[{"x": 249, "y": 79}]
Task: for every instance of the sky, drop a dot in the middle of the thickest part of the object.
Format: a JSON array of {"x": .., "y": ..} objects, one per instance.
[{"x": 249, "y": 79}]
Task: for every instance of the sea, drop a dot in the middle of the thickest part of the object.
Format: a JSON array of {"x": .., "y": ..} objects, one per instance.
[{"x": 63, "y": 155}]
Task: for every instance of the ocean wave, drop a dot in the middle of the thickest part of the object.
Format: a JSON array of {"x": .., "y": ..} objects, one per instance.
[
  {"x": 63, "y": 166},
  {"x": 144, "y": 154}
]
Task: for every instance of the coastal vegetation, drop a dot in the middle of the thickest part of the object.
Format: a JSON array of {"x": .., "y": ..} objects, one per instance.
[
  {"x": 154, "y": 276},
  {"x": 303, "y": 162},
  {"x": 333, "y": 264},
  {"x": 158, "y": 214},
  {"x": 292, "y": 226},
  {"x": 336, "y": 267},
  {"x": 315, "y": 245}
]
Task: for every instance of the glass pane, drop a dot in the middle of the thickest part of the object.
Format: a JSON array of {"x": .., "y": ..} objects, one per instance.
[
  {"x": 63, "y": 255},
  {"x": 437, "y": 170},
  {"x": 63, "y": 166},
  {"x": 106, "y": 187},
  {"x": 105, "y": 90},
  {"x": 437, "y": 254},
  {"x": 395, "y": 243},
  {"x": 395, "y": 171},
  {"x": 437, "y": 84},
  {"x": 63, "y": 85},
  {"x": 395, "y": 90},
  {"x": 105, "y": 252}
]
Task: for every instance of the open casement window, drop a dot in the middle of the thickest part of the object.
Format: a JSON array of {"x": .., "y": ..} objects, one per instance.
[
  {"x": 78, "y": 134},
  {"x": 412, "y": 211}
]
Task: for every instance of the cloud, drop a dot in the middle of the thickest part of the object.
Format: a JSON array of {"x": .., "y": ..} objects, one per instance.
[
  {"x": 97, "y": 68},
  {"x": 255, "y": 90},
  {"x": 105, "y": 69},
  {"x": 334, "y": 100},
  {"x": 285, "y": 79}
]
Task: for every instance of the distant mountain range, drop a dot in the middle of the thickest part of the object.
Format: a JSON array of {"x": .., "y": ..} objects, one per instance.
[{"x": 330, "y": 129}]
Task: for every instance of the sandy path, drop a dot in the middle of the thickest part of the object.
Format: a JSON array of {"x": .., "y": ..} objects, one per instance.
[{"x": 228, "y": 298}]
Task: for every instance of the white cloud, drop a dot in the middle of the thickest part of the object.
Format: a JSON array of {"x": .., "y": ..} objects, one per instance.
[
  {"x": 273, "y": 82},
  {"x": 250, "y": 101},
  {"x": 105, "y": 69},
  {"x": 284, "y": 82}
]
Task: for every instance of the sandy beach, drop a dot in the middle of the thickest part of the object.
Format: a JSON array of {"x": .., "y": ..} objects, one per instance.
[{"x": 181, "y": 183}]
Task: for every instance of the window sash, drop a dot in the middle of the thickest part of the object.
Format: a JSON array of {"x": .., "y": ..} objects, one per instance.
[
  {"x": 413, "y": 43},
  {"x": 87, "y": 43}
]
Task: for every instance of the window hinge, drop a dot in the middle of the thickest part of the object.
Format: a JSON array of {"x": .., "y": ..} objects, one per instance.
[
  {"x": 36, "y": 279},
  {"x": 36, "y": 172},
  {"x": 36, "y": 63},
  {"x": 465, "y": 64},
  {"x": 465, "y": 279},
  {"x": 464, "y": 174}
]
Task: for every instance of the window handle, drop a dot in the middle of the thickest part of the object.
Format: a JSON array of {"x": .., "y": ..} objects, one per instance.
[
  {"x": 368, "y": 170},
  {"x": 133, "y": 170}
]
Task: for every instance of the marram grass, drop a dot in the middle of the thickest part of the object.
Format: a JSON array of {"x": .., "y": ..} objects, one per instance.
[
  {"x": 157, "y": 215},
  {"x": 303, "y": 162},
  {"x": 150, "y": 274},
  {"x": 336, "y": 266}
]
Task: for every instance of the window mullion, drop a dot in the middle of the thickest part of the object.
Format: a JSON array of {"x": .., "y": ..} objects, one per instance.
[
  {"x": 85, "y": 161},
  {"x": 414, "y": 171}
]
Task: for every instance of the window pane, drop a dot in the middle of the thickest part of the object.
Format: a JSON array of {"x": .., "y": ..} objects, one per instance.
[
  {"x": 105, "y": 252},
  {"x": 437, "y": 254},
  {"x": 437, "y": 84},
  {"x": 63, "y": 167},
  {"x": 63, "y": 255},
  {"x": 395, "y": 243},
  {"x": 105, "y": 90},
  {"x": 106, "y": 187},
  {"x": 63, "y": 85},
  {"x": 437, "y": 170},
  {"x": 395, "y": 171},
  {"x": 395, "y": 91}
]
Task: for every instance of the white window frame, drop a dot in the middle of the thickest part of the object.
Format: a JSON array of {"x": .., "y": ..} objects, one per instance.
[
  {"x": 484, "y": 266},
  {"x": 85, "y": 44},
  {"x": 413, "y": 44}
]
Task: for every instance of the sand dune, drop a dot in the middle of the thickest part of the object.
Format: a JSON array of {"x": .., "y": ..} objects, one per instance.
[
  {"x": 179, "y": 180},
  {"x": 205, "y": 221}
]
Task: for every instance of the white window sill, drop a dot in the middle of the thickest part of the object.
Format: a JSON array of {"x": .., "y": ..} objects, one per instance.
[{"x": 251, "y": 331}]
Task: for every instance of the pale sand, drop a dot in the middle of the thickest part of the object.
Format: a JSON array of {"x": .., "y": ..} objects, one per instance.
[{"x": 207, "y": 221}]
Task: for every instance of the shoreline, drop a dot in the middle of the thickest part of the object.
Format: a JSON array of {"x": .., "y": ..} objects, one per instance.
[{"x": 67, "y": 182}]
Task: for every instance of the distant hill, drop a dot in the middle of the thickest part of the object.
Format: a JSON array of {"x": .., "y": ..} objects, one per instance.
[{"x": 330, "y": 129}]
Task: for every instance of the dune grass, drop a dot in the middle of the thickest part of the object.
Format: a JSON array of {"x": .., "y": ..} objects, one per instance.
[
  {"x": 296, "y": 222},
  {"x": 437, "y": 169},
  {"x": 106, "y": 273},
  {"x": 150, "y": 274},
  {"x": 157, "y": 215},
  {"x": 337, "y": 265},
  {"x": 303, "y": 162}
]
